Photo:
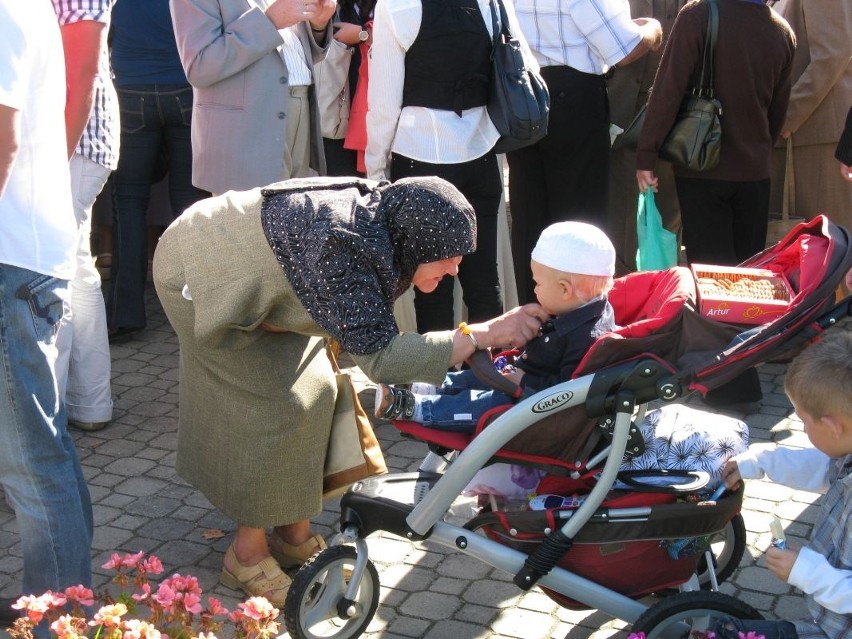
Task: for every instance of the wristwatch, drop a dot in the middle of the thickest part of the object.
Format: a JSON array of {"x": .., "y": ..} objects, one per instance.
[{"x": 363, "y": 35}]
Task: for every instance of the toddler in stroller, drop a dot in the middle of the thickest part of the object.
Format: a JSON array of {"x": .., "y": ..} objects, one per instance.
[
  {"x": 572, "y": 264},
  {"x": 582, "y": 429}
]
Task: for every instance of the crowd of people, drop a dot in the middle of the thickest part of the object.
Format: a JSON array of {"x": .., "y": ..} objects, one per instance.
[{"x": 321, "y": 159}]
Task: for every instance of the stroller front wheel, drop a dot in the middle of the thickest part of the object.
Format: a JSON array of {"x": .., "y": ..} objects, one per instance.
[
  {"x": 315, "y": 606},
  {"x": 727, "y": 547},
  {"x": 682, "y": 614}
]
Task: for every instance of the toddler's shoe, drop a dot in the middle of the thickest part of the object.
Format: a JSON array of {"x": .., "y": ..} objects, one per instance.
[{"x": 394, "y": 403}]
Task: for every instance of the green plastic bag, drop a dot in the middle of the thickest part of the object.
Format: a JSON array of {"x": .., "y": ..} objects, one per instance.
[{"x": 657, "y": 246}]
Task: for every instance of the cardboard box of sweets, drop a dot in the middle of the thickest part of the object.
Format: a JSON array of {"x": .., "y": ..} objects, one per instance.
[{"x": 741, "y": 295}]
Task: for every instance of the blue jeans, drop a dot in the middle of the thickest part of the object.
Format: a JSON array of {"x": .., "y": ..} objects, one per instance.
[
  {"x": 39, "y": 468},
  {"x": 729, "y": 628},
  {"x": 155, "y": 124},
  {"x": 461, "y": 402}
]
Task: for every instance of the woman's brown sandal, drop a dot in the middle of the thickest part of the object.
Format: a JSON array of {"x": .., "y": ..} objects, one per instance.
[
  {"x": 289, "y": 556},
  {"x": 263, "y": 579}
]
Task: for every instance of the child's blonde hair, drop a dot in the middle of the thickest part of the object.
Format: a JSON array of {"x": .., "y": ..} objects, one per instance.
[
  {"x": 819, "y": 380},
  {"x": 587, "y": 287}
]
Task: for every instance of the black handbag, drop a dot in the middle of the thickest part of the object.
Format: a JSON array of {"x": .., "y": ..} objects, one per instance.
[
  {"x": 695, "y": 139},
  {"x": 518, "y": 101}
]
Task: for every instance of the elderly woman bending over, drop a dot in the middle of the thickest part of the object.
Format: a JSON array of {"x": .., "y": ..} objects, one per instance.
[{"x": 251, "y": 281}]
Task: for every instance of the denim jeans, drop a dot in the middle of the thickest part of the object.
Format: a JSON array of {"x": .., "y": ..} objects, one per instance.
[
  {"x": 155, "y": 123},
  {"x": 461, "y": 402},
  {"x": 39, "y": 468},
  {"x": 84, "y": 364},
  {"x": 730, "y": 628}
]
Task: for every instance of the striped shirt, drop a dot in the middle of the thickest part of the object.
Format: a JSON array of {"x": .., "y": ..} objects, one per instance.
[
  {"x": 587, "y": 35},
  {"x": 100, "y": 139}
]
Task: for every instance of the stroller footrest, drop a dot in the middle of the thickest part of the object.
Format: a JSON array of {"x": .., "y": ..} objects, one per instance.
[{"x": 542, "y": 561}]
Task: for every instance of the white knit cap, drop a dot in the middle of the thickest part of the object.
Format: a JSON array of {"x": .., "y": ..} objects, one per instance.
[{"x": 575, "y": 247}]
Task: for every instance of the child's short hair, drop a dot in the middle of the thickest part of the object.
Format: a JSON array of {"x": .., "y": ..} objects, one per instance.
[
  {"x": 588, "y": 287},
  {"x": 819, "y": 380}
]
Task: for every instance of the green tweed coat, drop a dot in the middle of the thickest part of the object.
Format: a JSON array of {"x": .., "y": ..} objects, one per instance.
[{"x": 255, "y": 405}]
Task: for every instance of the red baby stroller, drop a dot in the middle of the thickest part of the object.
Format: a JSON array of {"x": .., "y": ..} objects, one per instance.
[{"x": 582, "y": 429}]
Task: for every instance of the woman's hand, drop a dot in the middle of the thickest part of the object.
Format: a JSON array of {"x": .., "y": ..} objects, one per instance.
[
  {"x": 323, "y": 10},
  {"x": 646, "y": 180},
  {"x": 514, "y": 328},
  {"x": 348, "y": 33}
]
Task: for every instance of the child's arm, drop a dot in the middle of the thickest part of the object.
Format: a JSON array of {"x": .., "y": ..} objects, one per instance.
[
  {"x": 831, "y": 587},
  {"x": 800, "y": 468}
]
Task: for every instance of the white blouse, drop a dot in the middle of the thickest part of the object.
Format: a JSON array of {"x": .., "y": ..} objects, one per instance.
[{"x": 427, "y": 135}]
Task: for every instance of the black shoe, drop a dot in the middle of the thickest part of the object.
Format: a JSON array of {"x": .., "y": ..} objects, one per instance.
[
  {"x": 122, "y": 334},
  {"x": 8, "y": 615}
]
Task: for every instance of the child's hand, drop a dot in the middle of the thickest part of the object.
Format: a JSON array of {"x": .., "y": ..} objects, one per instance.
[
  {"x": 515, "y": 375},
  {"x": 731, "y": 475},
  {"x": 780, "y": 562}
]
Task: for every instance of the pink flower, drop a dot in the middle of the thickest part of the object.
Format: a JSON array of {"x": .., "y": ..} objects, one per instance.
[
  {"x": 215, "y": 607},
  {"x": 80, "y": 594},
  {"x": 132, "y": 561},
  {"x": 68, "y": 627},
  {"x": 151, "y": 566},
  {"x": 636, "y": 635},
  {"x": 145, "y": 594},
  {"x": 35, "y": 607},
  {"x": 138, "y": 629},
  {"x": 114, "y": 562},
  {"x": 165, "y": 596},
  {"x": 192, "y": 603},
  {"x": 109, "y": 616},
  {"x": 258, "y": 608},
  {"x": 751, "y": 635}
]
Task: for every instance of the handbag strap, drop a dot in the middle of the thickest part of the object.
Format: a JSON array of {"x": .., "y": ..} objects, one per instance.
[
  {"x": 788, "y": 204},
  {"x": 705, "y": 83},
  {"x": 499, "y": 26}
]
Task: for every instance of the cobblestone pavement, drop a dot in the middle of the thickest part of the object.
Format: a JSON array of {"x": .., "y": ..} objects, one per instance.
[{"x": 140, "y": 504}]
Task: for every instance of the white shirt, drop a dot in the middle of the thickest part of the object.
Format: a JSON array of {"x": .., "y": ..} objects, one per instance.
[
  {"x": 38, "y": 230},
  {"x": 298, "y": 71},
  {"x": 423, "y": 134},
  {"x": 587, "y": 35}
]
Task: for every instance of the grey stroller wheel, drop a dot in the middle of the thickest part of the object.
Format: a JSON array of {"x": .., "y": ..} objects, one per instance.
[
  {"x": 727, "y": 547},
  {"x": 677, "y": 616},
  {"x": 313, "y": 606}
]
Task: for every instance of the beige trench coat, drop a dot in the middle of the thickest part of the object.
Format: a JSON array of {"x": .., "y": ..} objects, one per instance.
[{"x": 256, "y": 406}]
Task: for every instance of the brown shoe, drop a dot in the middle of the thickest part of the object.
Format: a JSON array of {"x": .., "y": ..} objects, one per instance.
[
  {"x": 393, "y": 403},
  {"x": 263, "y": 579},
  {"x": 289, "y": 556}
]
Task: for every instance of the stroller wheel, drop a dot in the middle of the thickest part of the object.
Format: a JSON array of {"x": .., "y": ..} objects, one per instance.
[
  {"x": 727, "y": 547},
  {"x": 687, "y": 612},
  {"x": 313, "y": 606}
]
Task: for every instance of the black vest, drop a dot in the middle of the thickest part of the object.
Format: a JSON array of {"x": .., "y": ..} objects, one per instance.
[{"x": 448, "y": 65}]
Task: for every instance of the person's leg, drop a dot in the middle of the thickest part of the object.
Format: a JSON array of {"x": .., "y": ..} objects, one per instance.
[
  {"x": 731, "y": 628},
  {"x": 707, "y": 220},
  {"x": 176, "y": 106},
  {"x": 750, "y": 207},
  {"x": 339, "y": 161},
  {"x": 459, "y": 412},
  {"x": 84, "y": 365},
  {"x": 481, "y": 183},
  {"x": 434, "y": 310},
  {"x": 39, "y": 468},
  {"x": 141, "y": 137}
]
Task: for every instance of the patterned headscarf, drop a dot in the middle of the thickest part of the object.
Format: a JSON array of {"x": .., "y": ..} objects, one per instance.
[{"x": 349, "y": 247}]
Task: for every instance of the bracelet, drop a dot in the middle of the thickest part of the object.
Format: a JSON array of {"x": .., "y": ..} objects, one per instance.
[{"x": 465, "y": 329}]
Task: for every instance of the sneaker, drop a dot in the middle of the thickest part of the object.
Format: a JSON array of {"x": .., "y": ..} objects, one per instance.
[
  {"x": 89, "y": 427},
  {"x": 393, "y": 403}
]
